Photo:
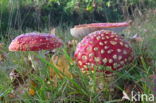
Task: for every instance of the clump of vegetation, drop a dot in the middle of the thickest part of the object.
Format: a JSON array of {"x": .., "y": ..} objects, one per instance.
[{"x": 38, "y": 14}]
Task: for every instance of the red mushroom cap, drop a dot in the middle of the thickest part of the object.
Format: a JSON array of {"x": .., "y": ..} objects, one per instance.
[
  {"x": 35, "y": 42},
  {"x": 103, "y": 48},
  {"x": 104, "y": 25},
  {"x": 85, "y": 29}
]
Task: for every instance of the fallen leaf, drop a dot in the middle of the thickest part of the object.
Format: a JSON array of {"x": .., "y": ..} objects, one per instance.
[
  {"x": 31, "y": 91},
  {"x": 62, "y": 64}
]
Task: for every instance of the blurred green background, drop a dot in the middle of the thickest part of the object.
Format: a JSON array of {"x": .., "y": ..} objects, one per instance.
[{"x": 37, "y": 14}]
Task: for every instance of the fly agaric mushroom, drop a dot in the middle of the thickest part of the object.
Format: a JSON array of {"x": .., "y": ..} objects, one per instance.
[
  {"x": 85, "y": 29},
  {"x": 104, "y": 48},
  {"x": 35, "y": 42}
]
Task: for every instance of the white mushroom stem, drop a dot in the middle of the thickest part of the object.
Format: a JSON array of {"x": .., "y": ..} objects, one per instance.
[
  {"x": 102, "y": 82},
  {"x": 35, "y": 62}
]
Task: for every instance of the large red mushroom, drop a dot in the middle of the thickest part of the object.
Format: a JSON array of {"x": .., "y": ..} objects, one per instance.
[
  {"x": 85, "y": 29},
  {"x": 104, "y": 48}
]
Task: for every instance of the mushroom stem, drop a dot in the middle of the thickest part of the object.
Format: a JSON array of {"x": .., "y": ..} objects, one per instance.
[
  {"x": 35, "y": 61},
  {"x": 103, "y": 82}
]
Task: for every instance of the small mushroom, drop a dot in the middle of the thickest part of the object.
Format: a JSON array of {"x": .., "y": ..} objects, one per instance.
[
  {"x": 35, "y": 42},
  {"x": 85, "y": 29},
  {"x": 104, "y": 48}
]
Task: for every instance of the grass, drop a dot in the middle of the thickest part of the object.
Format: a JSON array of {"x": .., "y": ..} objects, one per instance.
[{"x": 82, "y": 87}]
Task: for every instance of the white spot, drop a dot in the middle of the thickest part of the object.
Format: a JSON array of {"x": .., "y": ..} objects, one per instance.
[
  {"x": 112, "y": 36},
  {"x": 110, "y": 51},
  {"x": 110, "y": 60},
  {"x": 98, "y": 38},
  {"x": 106, "y": 47},
  {"x": 83, "y": 70},
  {"x": 103, "y": 38},
  {"x": 119, "y": 50},
  {"x": 41, "y": 40},
  {"x": 125, "y": 60},
  {"x": 79, "y": 62},
  {"x": 102, "y": 34},
  {"x": 83, "y": 44},
  {"x": 107, "y": 37},
  {"x": 114, "y": 56},
  {"x": 105, "y": 42},
  {"x": 85, "y": 66},
  {"x": 97, "y": 59},
  {"x": 47, "y": 39},
  {"x": 122, "y": 62},
  {"x": 79, "y": 54},
  {"x": 115, "y": 65},
  {"x": 113, "y": 42},
  {"x": 84, "y": 57},
  {"x": 102, "y": 51},
  {"x": 115, "y": 38},
  {"x": 88, "y": 64},
  {"x": 89, "y": 48},
  {"x": 104, "y": 60},
  {"x": 124, "y": 52},
  {"x": 106, "y": 32},
  {"x": 100, "y": 43},
  {"x": 126, "y": 45},
  {"x": 96, "y": 49},
  {"x": 121, "y": 43},
  {"x": 119, "y": 57},
  {"x": 91, "y": 55},
  {"x": 92, "y": 65}
]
